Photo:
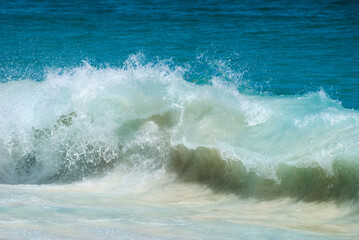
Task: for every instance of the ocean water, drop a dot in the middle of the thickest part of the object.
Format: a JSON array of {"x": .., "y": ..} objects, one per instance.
[{"x": 179, "y": 119}]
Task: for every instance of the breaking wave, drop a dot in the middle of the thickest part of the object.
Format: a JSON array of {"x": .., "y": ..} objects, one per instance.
[{"x": 87, "y": 121}]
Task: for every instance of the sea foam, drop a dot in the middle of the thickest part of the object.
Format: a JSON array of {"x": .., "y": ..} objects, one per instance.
[{"x": 87, "y": 121}]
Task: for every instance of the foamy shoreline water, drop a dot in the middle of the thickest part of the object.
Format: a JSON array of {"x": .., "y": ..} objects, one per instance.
[{"x": 162, "y": 209}]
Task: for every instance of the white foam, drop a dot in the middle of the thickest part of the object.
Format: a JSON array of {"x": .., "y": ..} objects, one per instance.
[{"x": 113, "y": 110}]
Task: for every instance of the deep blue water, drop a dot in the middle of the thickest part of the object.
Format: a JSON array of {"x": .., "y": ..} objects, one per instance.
[{"x": 280, "y": 47}]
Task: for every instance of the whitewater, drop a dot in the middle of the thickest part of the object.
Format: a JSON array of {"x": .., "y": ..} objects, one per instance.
[{"x": 142, "y": 152}]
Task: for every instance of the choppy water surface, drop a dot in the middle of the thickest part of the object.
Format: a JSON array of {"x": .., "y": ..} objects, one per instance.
[{"x": 147, "y": 120}]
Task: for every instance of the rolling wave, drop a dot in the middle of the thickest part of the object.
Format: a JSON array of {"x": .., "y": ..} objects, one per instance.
[{"x": 84, "y": 122}]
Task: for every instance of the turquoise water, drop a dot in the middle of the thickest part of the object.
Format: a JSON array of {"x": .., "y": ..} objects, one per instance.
[
  {"x": 179, "y": 120},
  {"x": 285, "y": 47}
]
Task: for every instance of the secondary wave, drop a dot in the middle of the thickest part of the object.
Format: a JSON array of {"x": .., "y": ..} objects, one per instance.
[{"x": 88, "y": 121}]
